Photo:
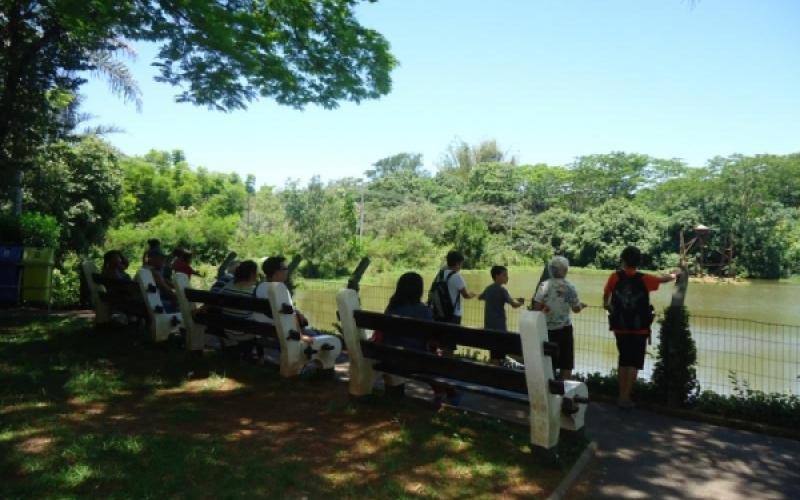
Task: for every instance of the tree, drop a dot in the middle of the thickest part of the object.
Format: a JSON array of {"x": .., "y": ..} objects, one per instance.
[
  {"x": 467, "y": 233},
  {"x": 222, "y": 55},
  {"x": 402, "y": 162},
  {"x": 79, "y": 184},
  {"x": 325, "y": 225},
  {"x": 461, "y": 158},
  {"x": 604, "y": 231}
]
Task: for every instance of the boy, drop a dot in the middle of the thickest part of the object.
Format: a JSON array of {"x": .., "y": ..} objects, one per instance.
[
  {"x": 626, "y": 297},
  {"x": 495, "y": 298}
]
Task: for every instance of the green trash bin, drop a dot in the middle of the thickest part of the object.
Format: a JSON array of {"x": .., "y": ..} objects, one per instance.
[{"x": 37, "y": 274}]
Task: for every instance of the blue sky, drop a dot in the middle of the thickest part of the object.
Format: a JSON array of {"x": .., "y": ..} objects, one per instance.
[{"x": 550, "y": 80}]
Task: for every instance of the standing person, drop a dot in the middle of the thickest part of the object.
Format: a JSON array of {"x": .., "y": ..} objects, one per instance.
[
  {"x": 456, "y": 288},
  {"x": 495, "y": 298},
  {"x": 626, "y": 297},
  {"x": 448, "y": 289},
  {"x": 557, "y": 297}
]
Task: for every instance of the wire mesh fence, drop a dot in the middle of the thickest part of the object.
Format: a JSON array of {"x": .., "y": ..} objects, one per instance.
[{"x": 731, "y": 352}]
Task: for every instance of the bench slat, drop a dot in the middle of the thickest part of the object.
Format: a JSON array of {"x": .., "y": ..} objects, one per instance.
[
  {"x": 230, "y": 301},
  {"x": 509, "y": 343},
  {"x": 408, "y": 363},
  {"x": 216, "y": 320}
]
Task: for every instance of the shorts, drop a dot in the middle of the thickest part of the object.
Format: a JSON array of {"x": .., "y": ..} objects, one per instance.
[
  {"x": 566, "y": 347},
  {"x": 631, "y": 347}
]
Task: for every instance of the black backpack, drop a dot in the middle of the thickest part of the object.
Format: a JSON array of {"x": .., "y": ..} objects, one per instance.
[
  {"x": 630, "y": 307},
  {"x": 439, "y": 299}
]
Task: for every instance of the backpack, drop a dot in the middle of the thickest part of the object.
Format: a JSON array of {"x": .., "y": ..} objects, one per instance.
[
  {"x": 439, "y": 299},
  {"x": 630, "y": 307}
]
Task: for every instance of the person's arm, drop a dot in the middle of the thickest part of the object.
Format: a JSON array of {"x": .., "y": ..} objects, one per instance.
[
  {"x": 163, "y": 285},
  {"x": 612, "y": 280},
  {"x": 513, "y": 302},
  {"x": 467, "y": 295},
  {"x": 666, "y": 278},
  {"x": 537, "y": 302},
  {"x": 578, "y": 308}
]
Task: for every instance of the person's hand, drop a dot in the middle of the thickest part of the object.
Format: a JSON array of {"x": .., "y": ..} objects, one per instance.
[
  {"x": 471, "y": 295},
  {"x": 521, "y": 300},
  {"x": 308, "y": 340},
  {"x": 583, "y": 305}
]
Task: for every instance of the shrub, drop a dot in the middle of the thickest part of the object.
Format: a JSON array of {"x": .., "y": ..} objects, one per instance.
[
  {"x": 674, "y": 374},
  {"x": 66, "y": 283},
  {"x": 30, "y": 229}
]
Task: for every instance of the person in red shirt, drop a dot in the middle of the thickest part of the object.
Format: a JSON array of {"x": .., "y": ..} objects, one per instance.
[
  {"x": 183, "y": 264},
  {"x": 626, "y": 297}
]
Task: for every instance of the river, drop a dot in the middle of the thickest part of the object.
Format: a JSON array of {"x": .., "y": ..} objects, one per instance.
[{"x": 750, "y": 330}]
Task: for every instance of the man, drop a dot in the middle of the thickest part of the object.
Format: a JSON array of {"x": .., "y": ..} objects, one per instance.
[
  {"x": 626, "y": 297},
  {"x": 155, "y": 263},
  {"x": 276, "y": 271}
]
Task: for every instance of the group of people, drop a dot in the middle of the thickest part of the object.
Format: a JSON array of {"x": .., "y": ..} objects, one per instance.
[
  {"x": 625, "y": 297},
  {"x": 115, "y": 265}
]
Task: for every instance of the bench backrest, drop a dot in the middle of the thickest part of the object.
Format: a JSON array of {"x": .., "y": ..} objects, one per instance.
[
  {"x": 544, "y": 393},
  {"x": 441, "y": 332},
  {"x": 125, "y": 296}
]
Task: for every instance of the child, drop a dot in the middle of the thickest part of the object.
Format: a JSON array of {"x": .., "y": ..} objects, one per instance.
[
  {"x": 183, "y": 264},
  {"x": 495, "y": 297}
]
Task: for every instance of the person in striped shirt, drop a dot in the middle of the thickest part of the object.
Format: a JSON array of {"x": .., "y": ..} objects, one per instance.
[{"x": 244, "y": 283}]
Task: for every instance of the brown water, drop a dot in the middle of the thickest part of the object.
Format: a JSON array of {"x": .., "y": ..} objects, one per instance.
[{"x": 752, "y": 329}]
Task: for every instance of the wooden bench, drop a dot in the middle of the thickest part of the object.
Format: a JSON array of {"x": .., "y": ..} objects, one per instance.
[
  {"x": 553, "y": 404},
  {"x": 138, "y": 298},
  {"x": 280, "y": 333}
]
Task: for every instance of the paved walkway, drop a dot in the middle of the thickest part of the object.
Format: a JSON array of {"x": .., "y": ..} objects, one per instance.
[{"x": 645, "y": 455}]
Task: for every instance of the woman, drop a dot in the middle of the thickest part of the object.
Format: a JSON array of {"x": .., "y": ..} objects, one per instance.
[
  {"x": 114, "y": 265},
  {"x": 407, "y": 301},
  {"x": 556, "y": 297}
]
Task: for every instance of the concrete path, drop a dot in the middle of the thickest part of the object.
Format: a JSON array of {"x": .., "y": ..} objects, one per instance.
[{"x": 644, "y": 455}]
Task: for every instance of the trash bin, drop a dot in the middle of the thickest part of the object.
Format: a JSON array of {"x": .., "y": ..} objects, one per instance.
[
  {"x": 9, "y": 274},
  {"x": 37, "y": 274}
]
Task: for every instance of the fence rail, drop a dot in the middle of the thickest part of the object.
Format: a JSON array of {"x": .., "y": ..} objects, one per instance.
[{"x": 764, "y": 356}]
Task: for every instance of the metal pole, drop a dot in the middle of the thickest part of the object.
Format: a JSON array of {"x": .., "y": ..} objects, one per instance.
[{"x": 361, "y": 216}]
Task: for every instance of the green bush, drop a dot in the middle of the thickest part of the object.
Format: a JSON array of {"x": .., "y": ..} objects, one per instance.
[
  {"x": 66, "y": 283},
  {"x": 781, "y": 410},
  {"x": 31, "y": 229},
  {"x": 674, "y": 374}
]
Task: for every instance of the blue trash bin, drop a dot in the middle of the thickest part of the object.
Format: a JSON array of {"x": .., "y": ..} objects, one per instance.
[{"x": 10, "y": 271}]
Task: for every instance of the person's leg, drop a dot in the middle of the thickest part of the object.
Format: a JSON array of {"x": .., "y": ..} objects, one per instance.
[{"x": 567, "y": 357}]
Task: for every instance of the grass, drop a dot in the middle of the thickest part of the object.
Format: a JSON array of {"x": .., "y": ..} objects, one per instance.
[{"x": 100, "y": 415}]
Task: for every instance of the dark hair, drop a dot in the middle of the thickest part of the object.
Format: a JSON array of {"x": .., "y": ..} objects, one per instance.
[
  {"x": 109, "y": 256},
  {"x": 178, "y": 252},
  {"x": 409, "y": 290},
  {"x": 272, "y": 265},
  {"x": 245, "y": 271},
  {"x": 631, "y": 256},
  {"x": 153, "y": 243},
  {"x": 185, "y": 256},
  {"x": 497, "y": 271},
  {"x": 454, "y": 258}
]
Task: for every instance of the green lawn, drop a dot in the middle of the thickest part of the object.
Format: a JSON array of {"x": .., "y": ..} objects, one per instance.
[{"x": 101, "y": 415}]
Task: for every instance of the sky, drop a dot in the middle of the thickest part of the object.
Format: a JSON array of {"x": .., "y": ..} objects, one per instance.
[{"x": 549, "y": 80}]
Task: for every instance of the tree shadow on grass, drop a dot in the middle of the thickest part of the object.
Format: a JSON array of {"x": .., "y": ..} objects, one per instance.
[{"x": 96, "y": 415}]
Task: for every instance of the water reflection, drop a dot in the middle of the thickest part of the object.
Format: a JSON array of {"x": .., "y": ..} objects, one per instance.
[{"x": 750, "y": 329}]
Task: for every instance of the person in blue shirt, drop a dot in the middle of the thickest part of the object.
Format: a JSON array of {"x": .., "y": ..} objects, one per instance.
[{"x": 407, "y": 301}]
